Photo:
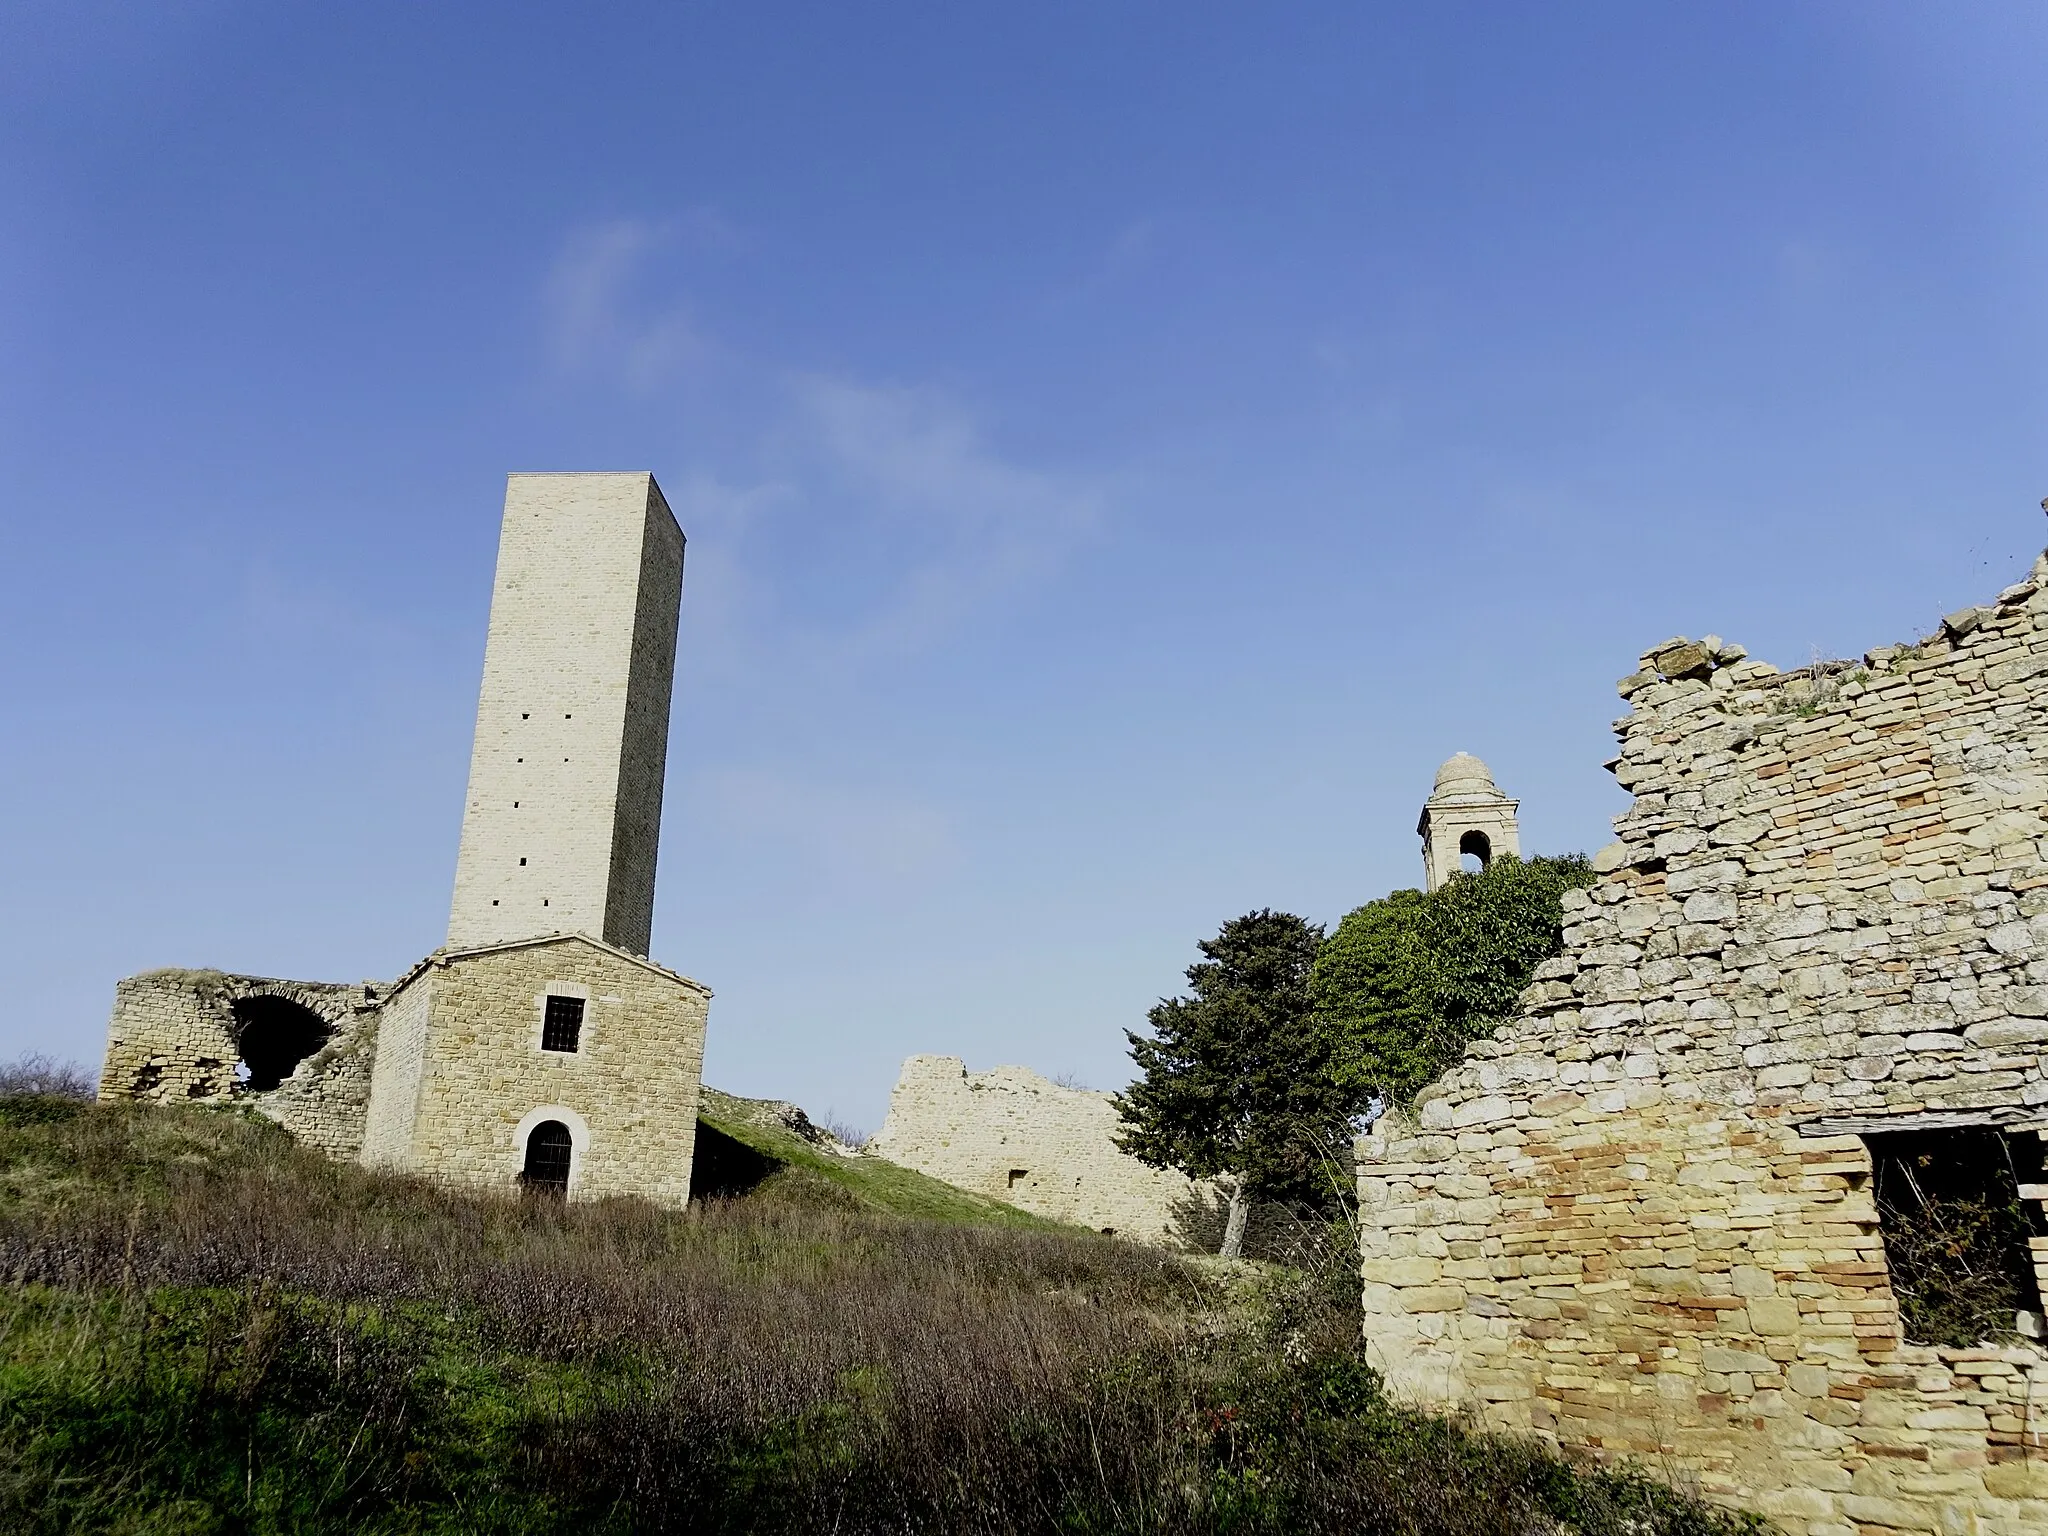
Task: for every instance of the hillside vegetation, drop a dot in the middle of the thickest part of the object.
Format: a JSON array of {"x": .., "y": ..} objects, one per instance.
[
  {"x": 205, "y": 1329},
  {"x": 1413, "y": 978},
  {"x": 748, "y": 1147}
]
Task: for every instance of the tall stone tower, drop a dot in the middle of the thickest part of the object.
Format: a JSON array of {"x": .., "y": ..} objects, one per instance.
[
  {"x": 563, "y": 817},
  {"x": 538, "y": 1049},
  {"x": 1465, "y": 813}
]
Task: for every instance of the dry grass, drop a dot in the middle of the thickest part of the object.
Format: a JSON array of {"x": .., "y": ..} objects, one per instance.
[{"x": 207, "y": 1329}]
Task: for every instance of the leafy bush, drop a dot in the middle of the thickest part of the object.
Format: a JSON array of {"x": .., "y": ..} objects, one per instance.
[
  {"x": 1953, "y": 1270},
  {"x": 205, "y": 1329},
  {"x": 1411, "y": 979}
]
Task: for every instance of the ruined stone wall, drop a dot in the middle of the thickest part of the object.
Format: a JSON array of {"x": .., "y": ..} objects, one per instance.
[
  {"x": 1045, "y": 1148},
  {"x": 630, "y": 1090},
  {"x": 1639, "y": 1220},
  {"x": 175, "y": 1037},
  {"x": 325, "y": 1102}
]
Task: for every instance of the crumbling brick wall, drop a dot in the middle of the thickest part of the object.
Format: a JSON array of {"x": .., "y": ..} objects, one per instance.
[
  {"x": 1639, "y": 1219},
  {"x": 175, "y": 1037},
  {"x": 1044, "y": 1147}
]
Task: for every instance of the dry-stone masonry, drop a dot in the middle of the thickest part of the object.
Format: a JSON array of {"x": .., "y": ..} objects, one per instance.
[
  {"x": 1041, "y": 1146},
  {"x": 1639, "y": 1220},
  {"x": 182, "y": 1035},
  {"x": 540, "y": 1044}
]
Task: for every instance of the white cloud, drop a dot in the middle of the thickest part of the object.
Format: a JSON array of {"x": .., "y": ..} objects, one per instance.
[
  {"x": 975, "y": 524},
  {"x": 598, "y": 318},
  {"x": 953, "y": 524}
]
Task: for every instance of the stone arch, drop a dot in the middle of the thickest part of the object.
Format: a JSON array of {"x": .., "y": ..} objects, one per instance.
[
  {"x": 273, "y": 1034},
  {"x": 179, "y": 1036},
  {"x": 1465, "y": 814},
  {"x": 548, "y": 1122}
]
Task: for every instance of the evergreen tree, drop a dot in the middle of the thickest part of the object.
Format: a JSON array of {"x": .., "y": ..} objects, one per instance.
[{"x": 1240, "y": 1082}]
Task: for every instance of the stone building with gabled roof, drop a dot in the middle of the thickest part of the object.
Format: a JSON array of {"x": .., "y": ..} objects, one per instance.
[
  {"x": 477, "y": 1049},
  {"x": 1674, "y": 1210},
  {"x": 539, "y": 1048}
]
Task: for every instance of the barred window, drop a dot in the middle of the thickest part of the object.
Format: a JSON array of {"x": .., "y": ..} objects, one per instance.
[{"x": 562, "y": 1025}]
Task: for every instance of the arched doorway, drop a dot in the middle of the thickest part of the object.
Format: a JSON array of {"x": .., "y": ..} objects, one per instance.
[
  {"x": 275, "y": 1034},
  {"x": 549, "y": 1150},
  {"x": 1475, "y": 850}
]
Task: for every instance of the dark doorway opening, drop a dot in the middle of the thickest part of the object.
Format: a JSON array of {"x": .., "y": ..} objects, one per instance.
[
  {"x": 274, "y": 1035},
  {"x": 1477, "y": 848},
  {"x": 548, "y": 1149},
  {"x": 1956, "y": 1230}
]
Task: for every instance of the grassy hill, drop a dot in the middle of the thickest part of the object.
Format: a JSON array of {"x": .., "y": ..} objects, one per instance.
[
  {"x": 749, "y": 1147},
  {"x": 206, "y": 1329}
]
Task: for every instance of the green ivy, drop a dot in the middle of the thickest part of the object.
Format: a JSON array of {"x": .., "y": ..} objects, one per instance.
[{"x": 1411, "y": 979}]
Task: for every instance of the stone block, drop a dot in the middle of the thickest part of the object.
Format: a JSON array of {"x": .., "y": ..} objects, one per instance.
[
  {"x": 1412, "y": 1271},
  {"x": 1723, "y": 1361},
  {"x": 1432, "y": 1298},
  {"x": 2017, "y": 1480},
  {"x": 1808, "y": 1380},
  {"x": 1711, "y": 907},
  {"x": 1999, "y": 1034},
  {"x": 1774, "y": 1316}
]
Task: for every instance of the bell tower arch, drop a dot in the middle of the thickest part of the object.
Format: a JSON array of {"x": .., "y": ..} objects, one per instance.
[{"x": 1465, "y": 814}]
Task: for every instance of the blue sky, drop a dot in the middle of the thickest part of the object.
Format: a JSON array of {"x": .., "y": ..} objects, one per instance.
[{"x": 1124, "y": 448}]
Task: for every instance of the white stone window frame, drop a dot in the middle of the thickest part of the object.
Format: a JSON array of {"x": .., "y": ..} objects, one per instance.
[
  {"x": 540, "y": 1019},
  {"x": 579, "y": 1137}
]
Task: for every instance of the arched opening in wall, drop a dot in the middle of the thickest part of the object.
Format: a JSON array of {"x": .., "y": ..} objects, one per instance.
[
  {"x": 1475, "y": 852},
  {"x": 274, "y": 1035},
  {"x": 549, "y": 1147}
]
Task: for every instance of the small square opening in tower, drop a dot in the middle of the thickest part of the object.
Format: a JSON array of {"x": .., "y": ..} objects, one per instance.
[{"x": 561, "y": 1027}]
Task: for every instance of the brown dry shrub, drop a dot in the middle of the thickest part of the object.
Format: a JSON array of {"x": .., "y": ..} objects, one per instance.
[{"x": 283, "y": 1343}]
